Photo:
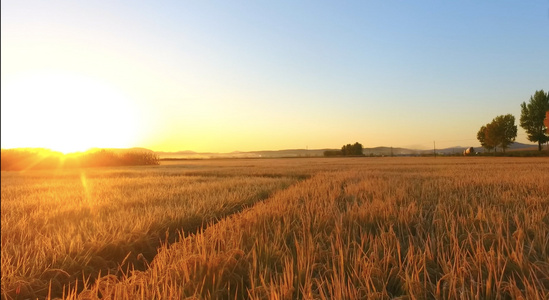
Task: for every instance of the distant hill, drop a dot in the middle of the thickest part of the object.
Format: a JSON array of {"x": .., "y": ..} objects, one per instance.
[
  {"x": 375, "y": 151},
  {"x": 520, "y": 146}
]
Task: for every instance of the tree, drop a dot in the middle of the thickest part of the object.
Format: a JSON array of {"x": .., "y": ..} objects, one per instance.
[
  {"x": 506, "y": 130},
  {"x": 532, "y": 116},
  {"x": 491, "y": 136},
  {"x": 546, "y": 121},
  {"x": 355, "y": 149},
  {"x": 501, "y": 132},
  {"x": 484, "y": 138}
]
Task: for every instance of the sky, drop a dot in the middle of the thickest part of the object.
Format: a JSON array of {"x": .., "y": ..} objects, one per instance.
[{"x": 223, "y": 76}]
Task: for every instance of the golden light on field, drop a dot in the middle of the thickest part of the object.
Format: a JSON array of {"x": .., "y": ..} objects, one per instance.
[
  {"x": 350, "y": 228},
  {"x": 66, "y": 112}
]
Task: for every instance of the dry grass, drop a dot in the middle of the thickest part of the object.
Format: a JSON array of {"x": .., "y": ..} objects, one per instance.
[
  {"x": 72, "y": 224},
  {"x": 414, "y": 228}
]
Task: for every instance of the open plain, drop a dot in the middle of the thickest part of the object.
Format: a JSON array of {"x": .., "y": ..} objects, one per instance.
[{"x": 303, "y": 228}]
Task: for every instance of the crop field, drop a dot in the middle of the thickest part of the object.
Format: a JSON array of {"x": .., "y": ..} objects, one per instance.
[{"x": 304, "y": 228}]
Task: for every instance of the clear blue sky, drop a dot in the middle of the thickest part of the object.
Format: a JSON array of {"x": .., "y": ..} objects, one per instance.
[{"x": 254, "y": 75}]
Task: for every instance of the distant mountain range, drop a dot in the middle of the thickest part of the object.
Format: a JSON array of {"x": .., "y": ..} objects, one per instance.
[{"x": 376, "y": 151}]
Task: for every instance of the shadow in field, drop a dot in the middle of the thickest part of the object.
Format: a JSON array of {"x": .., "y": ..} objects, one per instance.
[{"x": 118, "y": 259}]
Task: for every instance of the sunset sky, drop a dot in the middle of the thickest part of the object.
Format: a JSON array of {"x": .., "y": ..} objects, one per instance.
[{"x": 222, "y": 76}]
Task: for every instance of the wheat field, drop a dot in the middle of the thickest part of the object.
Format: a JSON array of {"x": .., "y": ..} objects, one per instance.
[{"x": 309, "y": 228}]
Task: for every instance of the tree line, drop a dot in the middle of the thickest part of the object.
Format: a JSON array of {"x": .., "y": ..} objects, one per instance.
[
  {"x": 355, "y": 149},
  {"x": 502, "y": 131},
  {"x": 36, "y": 159}
]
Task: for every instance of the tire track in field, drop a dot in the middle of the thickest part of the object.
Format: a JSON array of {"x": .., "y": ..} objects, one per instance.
[
  {"x": 169, "y": 234},
  {"x": 117, "y": 259}
]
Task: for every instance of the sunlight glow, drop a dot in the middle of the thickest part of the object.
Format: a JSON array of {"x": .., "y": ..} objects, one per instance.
[
  {"x": 65, "y": 112},
  {"x": 86, "y": 188}
]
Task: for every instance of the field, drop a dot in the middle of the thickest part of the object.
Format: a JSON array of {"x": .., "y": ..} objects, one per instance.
[{"x": 308, "y": 228}]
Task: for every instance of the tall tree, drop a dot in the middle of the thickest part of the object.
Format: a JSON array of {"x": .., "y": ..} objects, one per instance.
[
  {"x": 492, "y": 138},
  {"x": 501, "y": 132},
  {"x": 483, "y": 137},
  {"x": 532, "y": 116},
  {"x": 506, "y": 130}
]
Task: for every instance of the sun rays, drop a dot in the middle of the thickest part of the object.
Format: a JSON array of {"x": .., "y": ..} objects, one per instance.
[{"x": 85, "y": 187}]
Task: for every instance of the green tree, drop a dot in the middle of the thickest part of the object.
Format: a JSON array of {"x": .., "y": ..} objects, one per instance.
[
  {"x": 532, "y": 116},
  {"x": 483, "y": 137},
  {"x": 506, "y": 130},
  {"x": 346, "y": 150},
  {"x": 491, "y": 135},
  {"x": 357, "y": 149},
  {"x": 353, "y": 150},
  {"x": 501, "y": 132}
]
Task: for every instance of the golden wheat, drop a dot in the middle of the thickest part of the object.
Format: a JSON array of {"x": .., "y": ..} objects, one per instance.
[
  {"x": 66, "y": 225},
  {"x": 360, "y": 228},
  {"x": 415, "y": 229}
]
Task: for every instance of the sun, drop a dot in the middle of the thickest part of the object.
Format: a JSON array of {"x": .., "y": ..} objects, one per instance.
[{"x": 66, "y": 112}]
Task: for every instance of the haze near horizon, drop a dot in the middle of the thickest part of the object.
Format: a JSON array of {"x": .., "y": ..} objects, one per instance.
[{"x": 225, "y": 76}]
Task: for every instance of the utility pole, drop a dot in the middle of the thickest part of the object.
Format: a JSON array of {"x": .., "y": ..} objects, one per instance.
[{"x": 434, "y": 149}]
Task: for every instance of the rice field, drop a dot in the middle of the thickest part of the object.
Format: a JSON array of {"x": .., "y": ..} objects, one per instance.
[{"x": 309, "y": 228}]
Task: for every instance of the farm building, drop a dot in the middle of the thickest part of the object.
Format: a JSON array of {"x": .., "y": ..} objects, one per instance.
[{"x": 469, "y": 151}]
